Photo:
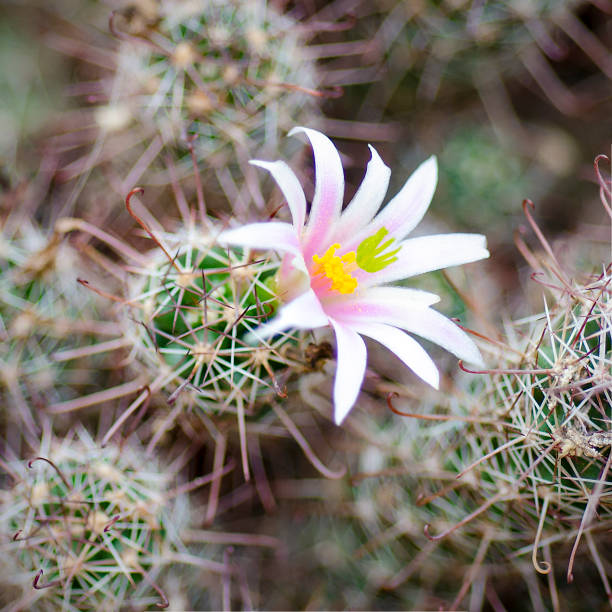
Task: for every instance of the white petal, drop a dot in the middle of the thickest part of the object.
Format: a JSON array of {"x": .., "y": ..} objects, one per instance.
[
  {"x": 366, "y": 201},
  {"x": 424, "y": 322},
  {"x": 350, "y": 369},
  {"x": 403, "y": 296},
  {"x": 291, "y": 188},
  {"x": 329, "y": 189},
  {"x": 405, "y": 347},
  {"x": 433, "y": 326},
  {"x": 305, "y": 312},
  {"x": 404, "y": 212},
  {"x": 427, "y": 253},
  {"x": 380, "y": 302},
  {"x": 270, "y": 235}
]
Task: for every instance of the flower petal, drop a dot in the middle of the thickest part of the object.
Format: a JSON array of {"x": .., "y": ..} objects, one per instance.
[
  {"x": 350, "y": 369},
  {"x": 329, "y": 190},
  {"x": 428, "y": 253},
  {"x": 305, "y": 312},
  {"x": 379, "y": 302},
  {"x": 271, "y": 235},
  {"x": 291, "y": 188},
  {"x": 366, "y": 201},
  {"x": 405, "y": 347},
  {"x": 424, "y": 322},
  {"x": 404, "y": 212},
  {"x": 433, "y": 326}
]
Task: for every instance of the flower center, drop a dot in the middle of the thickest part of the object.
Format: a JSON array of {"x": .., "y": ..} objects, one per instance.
[
  {"x": 336, "y": 269},
  {"x": 370, "y": 257}
]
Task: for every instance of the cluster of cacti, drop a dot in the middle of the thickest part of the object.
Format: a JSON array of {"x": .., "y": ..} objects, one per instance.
[{"x": 216, "y": 478}]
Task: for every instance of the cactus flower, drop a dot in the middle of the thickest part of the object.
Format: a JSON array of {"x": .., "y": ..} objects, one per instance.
[{"x": 338, "y": 264}]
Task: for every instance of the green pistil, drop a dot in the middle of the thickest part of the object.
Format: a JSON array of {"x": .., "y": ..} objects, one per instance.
[{"x": 369, "y": 256}]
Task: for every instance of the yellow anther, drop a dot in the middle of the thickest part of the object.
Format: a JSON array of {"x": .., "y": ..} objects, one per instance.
[{"x": 335, "y": 269}]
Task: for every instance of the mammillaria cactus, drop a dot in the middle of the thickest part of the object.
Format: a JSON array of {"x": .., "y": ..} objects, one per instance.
[
  {"x": 527, "y": 457},
  {"x": 186, "y": 317},
  {"x": 497, "y": 490},
  {"x": 222, "y": 79},
  {"x": 42, "y": 319},
  {"x": 84, "y": 526}
]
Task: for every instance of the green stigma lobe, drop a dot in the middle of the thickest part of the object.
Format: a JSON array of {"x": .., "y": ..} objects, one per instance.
[{"x": 370, "y": 255}]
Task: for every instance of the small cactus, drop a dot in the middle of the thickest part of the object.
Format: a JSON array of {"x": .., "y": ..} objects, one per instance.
[
  {"x": 222, "y": 79},
  {"x": 231, "y": 72},
  {"x": 84, "y": 527},
  {"x": 190, "y": 316},
  {"x": 40, "y": 316}
]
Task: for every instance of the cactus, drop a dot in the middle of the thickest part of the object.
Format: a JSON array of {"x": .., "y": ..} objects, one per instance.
[
  {"x": 189, "y": 309},
  {"x": 85, "y": 527},
  {"x": 230, "y": 72},
  {"x": 524, "y": 471},
  {"x": 222, "y": 79},
  {"x": 454, "y": 47},
  {"x": 496, "y": 492},
  {"x": 42, "y": 318}
]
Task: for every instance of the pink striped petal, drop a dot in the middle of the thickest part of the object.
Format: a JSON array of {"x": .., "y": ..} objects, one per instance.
[
  {"x": 428, "y": 253},
  {"x": 305, "y": 312},
  {"x": 271, "y": 235},
  {"x": 366, "y": 201},
  {"x": 329, "y": 190},
  {"x": 291, "y": 188},
  {"x": 404, "y": 212},
  {"x": 406, "y": 348},
  {"x": 424, "y": 322},
  {"x": 379, "y": 302},
  {"x": 350, "y": 369}
]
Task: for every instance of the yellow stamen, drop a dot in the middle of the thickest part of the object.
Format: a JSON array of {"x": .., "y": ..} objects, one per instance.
[{"x": 337, "y": 269}]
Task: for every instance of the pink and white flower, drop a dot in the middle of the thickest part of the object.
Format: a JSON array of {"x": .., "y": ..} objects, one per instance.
[{"x": 338, "y": 263}]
